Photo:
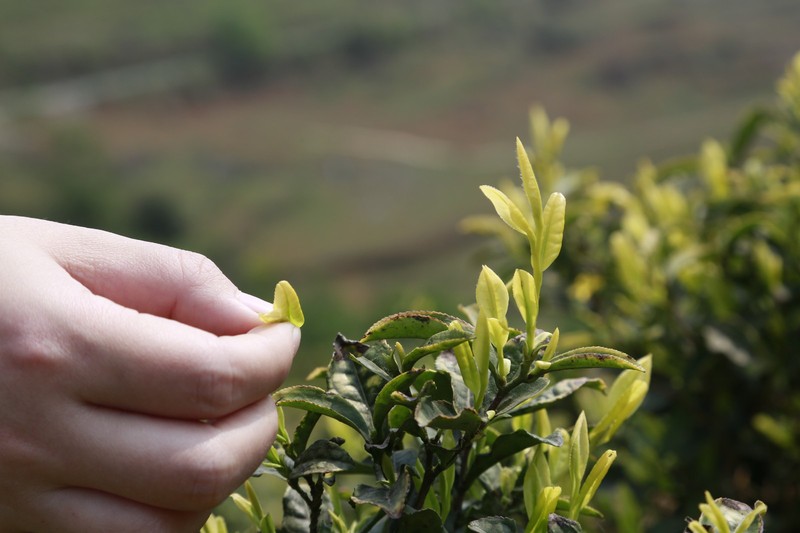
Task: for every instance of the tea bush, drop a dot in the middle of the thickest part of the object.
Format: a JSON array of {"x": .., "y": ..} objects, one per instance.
[
  {"x": 698, "y": 263},
  {"x": 453, "y": 415}
]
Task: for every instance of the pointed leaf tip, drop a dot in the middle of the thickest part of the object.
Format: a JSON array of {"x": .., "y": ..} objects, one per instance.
[{"x": 285, "y": 306}]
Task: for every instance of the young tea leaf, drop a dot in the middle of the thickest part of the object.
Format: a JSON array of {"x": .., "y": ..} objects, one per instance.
[
  {"x": 531, "y": 187},
  {"x": 595, "y": 477},
  {"x": 507, "y": 211},
  {"x": 285, "y": 306},
  {"x": 481, "y": 348},
  {"x": 578, "y": 459},
  {"x": 466, "y": 363},
  {"x": 553, "y": 229},
  {"x": 491, "y": 294},
  {"x": 523, "y": 288}
]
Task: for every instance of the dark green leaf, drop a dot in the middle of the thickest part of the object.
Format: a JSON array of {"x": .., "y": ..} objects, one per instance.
[
  {"x": 391, "y": 499},
  {"x": 322, "y": 457},
  {"x": 385, "y": 401},
  {"x": 296, "y": 514},
  {"x": 493, "y": 524},
  {"x": 521, "y": 393},
  {"x": 593, "y": 357},
  {"x": 559, "y": 391},
  {"x": 343, "y": 379},
  {"x": 302, "y": 434},
  {"x": 316, "y": 400},
  {"x": 507, "y": 445},
  {"x": 411, "y": 325},
  {"x": 462, "y": 396},
  {"x": 439, "y": 414},
  {"x": 424, "y": 521},
  {"x": 436, "y": 384},
  {"x": 514, "y": 350},
  {"x": 379, "y": 359},
  {"x": 398, "y": 415},
  {"x": 559, "y": 524},
  {"x": 404, "y": 458},
  {"x": 439, "y": 342}
]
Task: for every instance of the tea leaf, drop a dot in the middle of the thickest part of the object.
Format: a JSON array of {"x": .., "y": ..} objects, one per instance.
[
  {"x": 391, "y": 499},
  {"x": 444, "y": 340},
  {"x": 537, "y": 477},
  {"x": 491, "y": 294},
  {"x": 384, "y": 401},
  {"x": 285, "y": 306},
  {"x": 378, "y": 359},
  {"x": 466, "y": 363},
  {"x": 578, "y": 459},
  {"x": 258, "y": 512},
  {"x": 531, "y": 186},
  {"x": 559, "y": 524},
  {"x": 523, "y": 288},
  {"x": 620, "y": 411},
  {"x": 519, "y": 394},
  {"x": 493, "y": 524},
  {"x": 593, "y": 357},
  {"x": 507, "y": 445},
  {"x": 559, "y": 391},
  {"x": 296, "y": 514},
  {"x": 446, "y": 363},
  {"x": 314, "y": 399},
  {"x": 302, "y": 433},
  {"x": 553, "y": 229},
  {"x": 343, "y": 379},
  {"x": 214, "y": 524},
  {"x": 508, "y": 211},
  {"x": 410, "y": 325},
  {"x": 482, "y": 349},
  {"x": 423, "y": 521},
  {"x": 594, "y": 479},
  {"x": 440, "y": 414},
  {"x": 322, "y": 457},
  {"x": 540, "y": 518}
]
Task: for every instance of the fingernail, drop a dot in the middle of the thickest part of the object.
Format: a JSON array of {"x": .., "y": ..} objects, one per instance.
[{"x": 256, "y": 304}]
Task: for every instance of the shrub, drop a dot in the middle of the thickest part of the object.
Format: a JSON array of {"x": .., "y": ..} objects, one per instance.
[
  {"x": 453, "y": 416},
  {"x": 697, "y": 263}
]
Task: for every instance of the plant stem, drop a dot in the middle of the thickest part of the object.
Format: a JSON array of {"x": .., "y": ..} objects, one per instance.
[
  {"x": 316, "y": 501},
  {"x": 427, "y": 479}
]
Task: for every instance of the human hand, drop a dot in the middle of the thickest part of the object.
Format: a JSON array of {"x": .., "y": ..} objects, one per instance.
[{"x": 134, "y": 382}]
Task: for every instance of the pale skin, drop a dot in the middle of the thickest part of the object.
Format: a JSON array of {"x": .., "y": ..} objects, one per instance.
[{"x": 135, "y": 382}]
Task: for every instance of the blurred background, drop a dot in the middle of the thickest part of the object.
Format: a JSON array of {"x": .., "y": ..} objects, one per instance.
[{"x": 338, "y": 144}]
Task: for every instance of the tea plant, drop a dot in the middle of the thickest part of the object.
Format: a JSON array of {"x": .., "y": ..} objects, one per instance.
[
  {"x": 698, "y": 263},
  {"x": 724, "y": 515},
  {"x": 452, "y": 413}
]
